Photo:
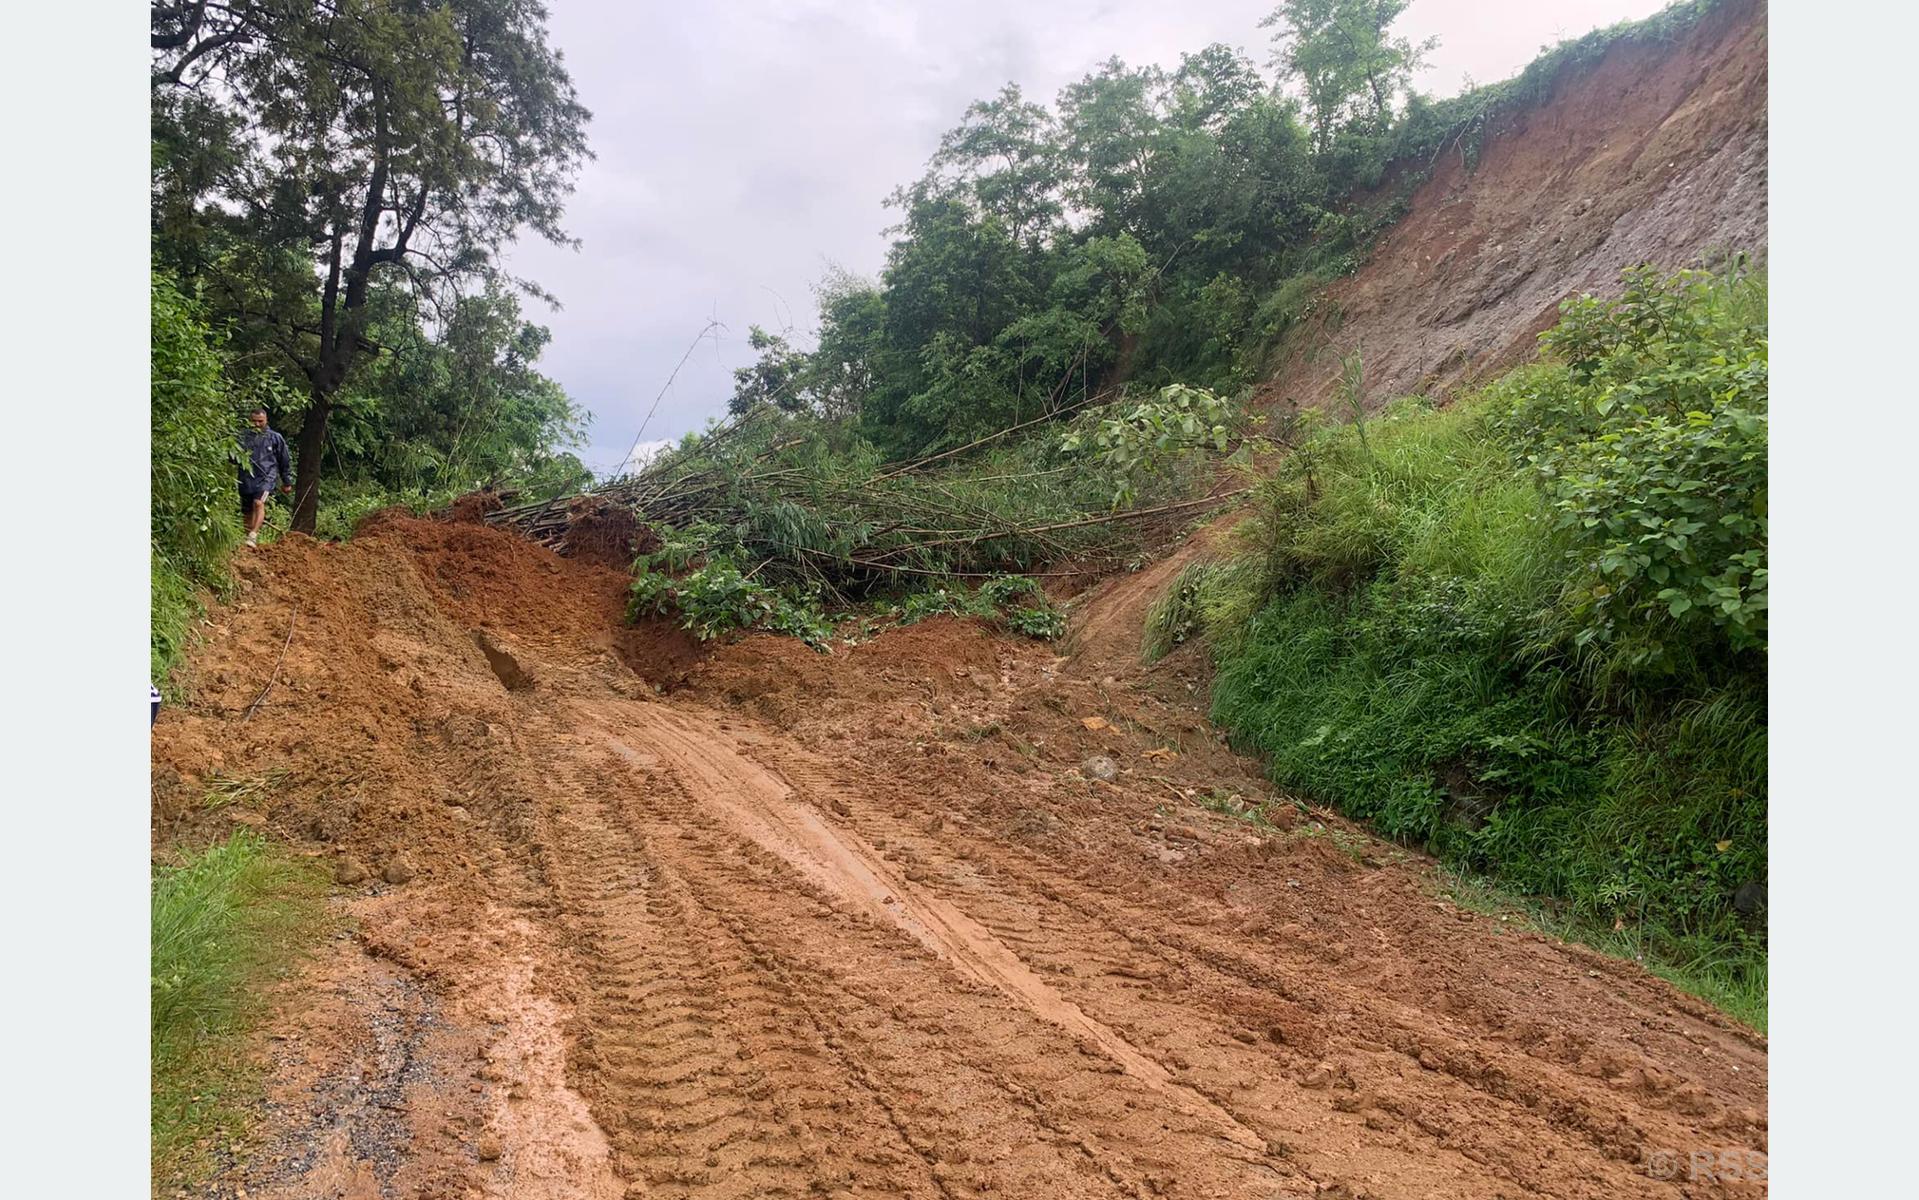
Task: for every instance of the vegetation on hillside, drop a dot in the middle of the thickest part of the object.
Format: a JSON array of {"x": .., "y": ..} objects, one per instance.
[
  {"x": 194, "y": 513},
  {"x": 325, "y": 229},
  {"x": 792, "y": 522},
  {"x": 1151, "y": 226},
  {"x": 1096, "y": 277},
  {"x": 1528, "y": 631}
]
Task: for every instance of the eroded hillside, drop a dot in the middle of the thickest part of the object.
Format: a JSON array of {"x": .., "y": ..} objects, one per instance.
[{"x": 1656, "y": 153}]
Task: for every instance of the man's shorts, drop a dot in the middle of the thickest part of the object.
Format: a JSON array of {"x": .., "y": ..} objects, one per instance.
[{"x": 251, "y": 493}]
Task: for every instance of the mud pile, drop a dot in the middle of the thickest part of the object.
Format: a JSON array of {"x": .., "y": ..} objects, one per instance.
[{"x": 755, "y": 920}]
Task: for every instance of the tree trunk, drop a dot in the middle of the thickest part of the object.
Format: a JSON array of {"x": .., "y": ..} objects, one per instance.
[{"x": 306, "y": 492}]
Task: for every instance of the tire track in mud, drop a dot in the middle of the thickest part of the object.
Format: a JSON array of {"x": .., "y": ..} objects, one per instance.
[
  {"x": 1146, "y": 965},
  {"x": 686, "y": 1045},
  {"x": 776, "y": 954},
  {"x": 937, "y": 1043},
  {"x": 840, "y": 863}
]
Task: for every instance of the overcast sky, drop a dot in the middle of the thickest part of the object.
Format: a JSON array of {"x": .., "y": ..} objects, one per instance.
[{"x": 745, "y": 145}]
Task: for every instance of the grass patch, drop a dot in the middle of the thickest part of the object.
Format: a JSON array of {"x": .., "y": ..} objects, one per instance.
[
  {"x": 173, "y": 610},
  {"x": 225, "y": 924}
]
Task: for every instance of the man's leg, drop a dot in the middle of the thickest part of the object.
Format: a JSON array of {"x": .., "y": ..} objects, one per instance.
[{"x": 256, "y": 516}]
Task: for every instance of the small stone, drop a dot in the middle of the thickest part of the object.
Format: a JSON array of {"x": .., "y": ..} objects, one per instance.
[
  {"x": 1100, "y": 767},
  {"x": 1319, "y": 1077},
  {"x": 400, "y": 869},
  {"x": 1429, "y": 1060},
  {"x": 488, "y": 1148},
  {"x": 1750, "y": 898},
  {"x": 349, "y": 871}
]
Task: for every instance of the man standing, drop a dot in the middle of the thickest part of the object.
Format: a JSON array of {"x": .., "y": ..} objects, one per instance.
[{"x": 267, "y": 466}]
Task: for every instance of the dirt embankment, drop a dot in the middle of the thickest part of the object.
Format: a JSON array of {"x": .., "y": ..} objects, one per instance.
[
  {"x": 642, "y": 921},
  {"x": 1656, "y": 153}
]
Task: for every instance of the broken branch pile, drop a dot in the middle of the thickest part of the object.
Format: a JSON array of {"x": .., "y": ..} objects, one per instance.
[{"x": 799, "y": 500}]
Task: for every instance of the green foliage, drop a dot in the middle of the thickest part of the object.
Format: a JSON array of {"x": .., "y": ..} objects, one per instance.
[
  {"x": 1151, "y": 227},
  {"x": 1408, "y": 630},
  {"x": 773, "y": 518},
  {"x": 369, "y": 163},
  {"x": 172, "y": 609},
  {"x": 194, "y": 515},
  {"x": 224, "y": 925},
  {"x": 1343, "y": 57},
  {"x": 1013, "y": 602},
  {"x": 1142, "y": 439},
  {"x": 461, "y": 407},
  {"x": 1461, "y": 123},
  {"x": 1652, "y": 447},
  {"x": 777, "y": 378},
  {"x": 716, "y": 597},
  {"x": 195, "y": 451}
]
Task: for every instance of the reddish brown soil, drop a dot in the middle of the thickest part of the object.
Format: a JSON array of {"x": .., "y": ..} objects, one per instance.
[
  {"x": 606, "y": 533},
  {"x": 1655, "y": 154},
  {"x": 859, "y": 924},
  {"x": 675, "y": 921}
]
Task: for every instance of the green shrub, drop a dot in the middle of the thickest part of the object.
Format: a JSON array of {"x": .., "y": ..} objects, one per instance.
[
  {"x": 1651, "y": 445},
  {"x": 1146, "y": 438},
  {"x": 1411, "y": 630},
  {"x": 717, "y": 597},
  {"x": 1014, "y": 602}
]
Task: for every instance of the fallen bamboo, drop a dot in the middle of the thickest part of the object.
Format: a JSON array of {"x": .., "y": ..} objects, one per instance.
[{"x": 261, "y": 698}]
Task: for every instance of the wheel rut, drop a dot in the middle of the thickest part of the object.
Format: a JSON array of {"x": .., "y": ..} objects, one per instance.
[{"x": 742, "y": 834}]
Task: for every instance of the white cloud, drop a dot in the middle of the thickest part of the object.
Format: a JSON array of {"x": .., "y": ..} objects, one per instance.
[{"x": 641, "y": 454}]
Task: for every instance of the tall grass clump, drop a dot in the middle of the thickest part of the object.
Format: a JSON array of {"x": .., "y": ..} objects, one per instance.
[
  {"x": 224, "y": 925},
  {"x": 195, "y": 507},
  {"x": 1529, "y": 631}
]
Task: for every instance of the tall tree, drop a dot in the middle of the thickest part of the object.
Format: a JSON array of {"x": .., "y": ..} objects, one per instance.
[
  {"x": 363, "y": 137},
  {"x": 1343, "y": 56},
  {"x": 460, "y": 407},
  {"x": 1005, "y": 150},
  {"x": 1110, "y": 122}
]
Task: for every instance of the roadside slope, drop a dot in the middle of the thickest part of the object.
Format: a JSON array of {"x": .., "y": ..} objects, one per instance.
[{"x": 1654, "y": 153}]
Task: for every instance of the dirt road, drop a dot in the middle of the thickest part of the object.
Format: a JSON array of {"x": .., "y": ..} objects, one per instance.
[{"x": 763, "y": 922}]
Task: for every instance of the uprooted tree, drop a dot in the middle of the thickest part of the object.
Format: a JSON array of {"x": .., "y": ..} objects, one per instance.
[{"x": 306, "y": 152}]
